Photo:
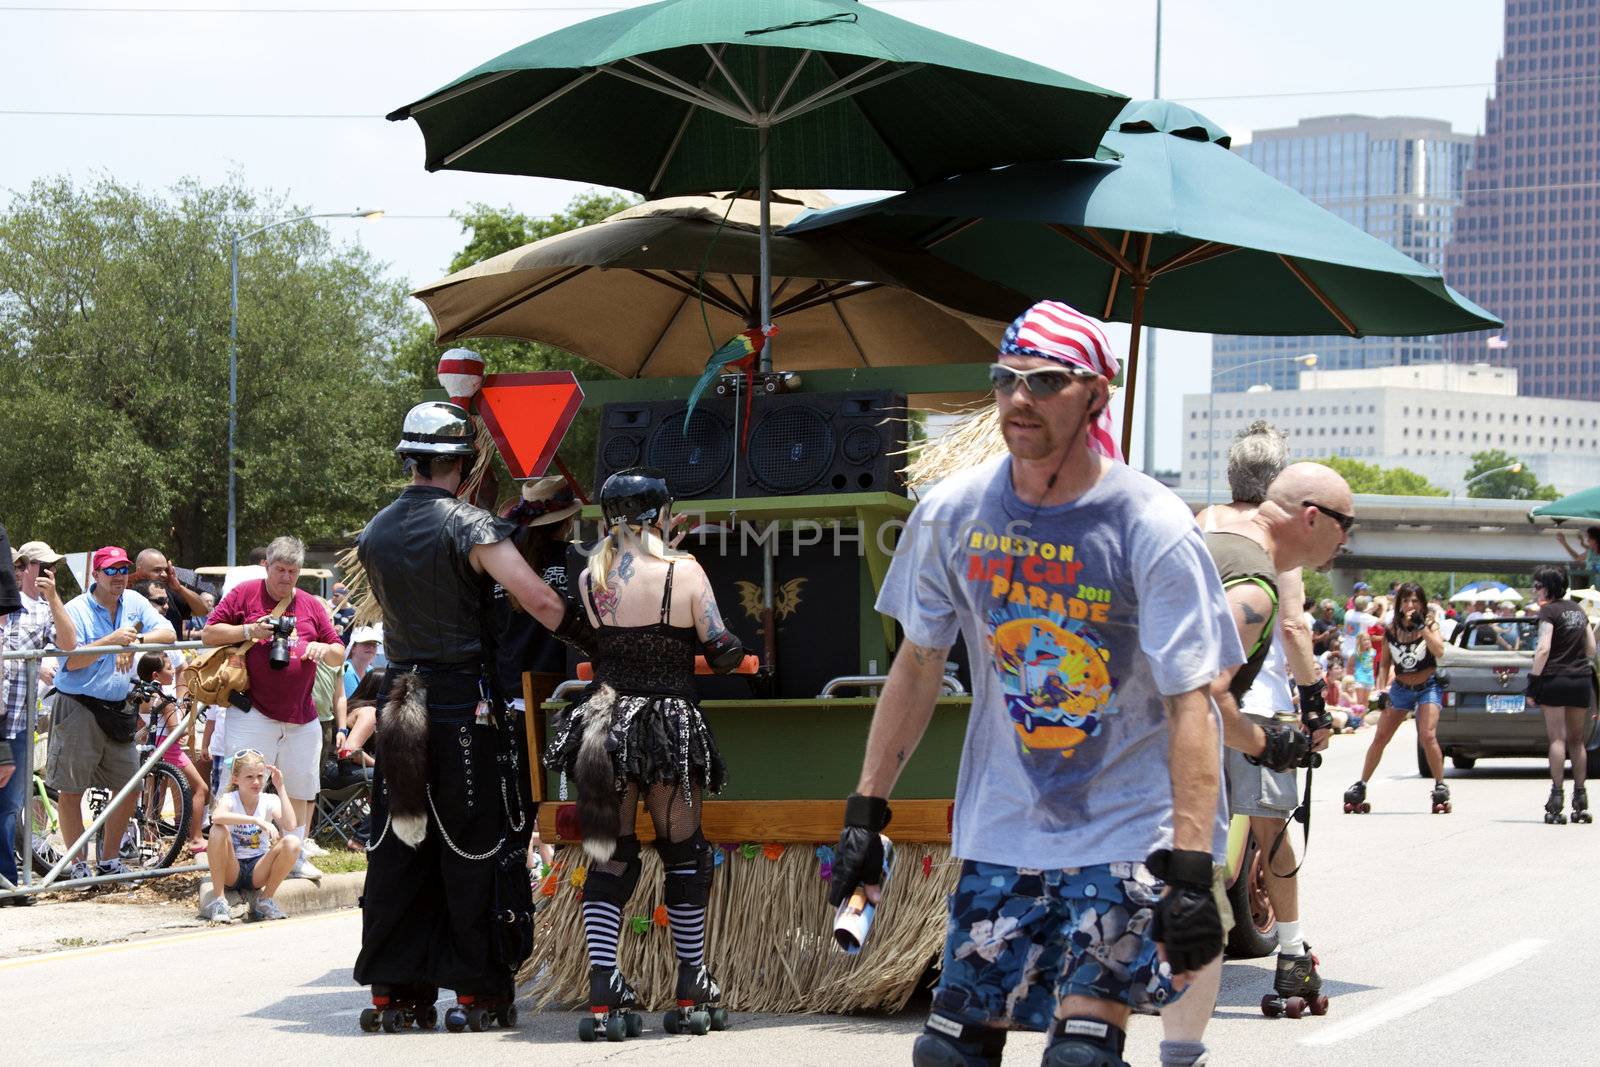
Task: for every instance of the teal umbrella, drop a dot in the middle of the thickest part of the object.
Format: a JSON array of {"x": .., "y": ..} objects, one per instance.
[
  {"x": 1583, "y": 506},
  {"x": 694, "y": 96},
  {"x": 1178, "y": 233}
]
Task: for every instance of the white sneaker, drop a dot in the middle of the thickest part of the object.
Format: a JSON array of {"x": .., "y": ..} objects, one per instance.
[
  {"x": 311, "y": 850},
  {"x": 304, "y": 868},
  {"x": 216, "y": 911},
  {"x": 266, "y": 908}
]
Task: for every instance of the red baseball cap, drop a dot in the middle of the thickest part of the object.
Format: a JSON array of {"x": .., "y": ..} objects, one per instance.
[{"x": 108, "y": 556}]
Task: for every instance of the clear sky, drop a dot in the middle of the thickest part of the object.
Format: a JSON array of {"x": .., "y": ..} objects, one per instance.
[{"x": 1248, "y": 64}]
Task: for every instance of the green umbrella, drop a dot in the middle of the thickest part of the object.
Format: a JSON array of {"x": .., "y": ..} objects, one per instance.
[
  {"x": 693, "y": 96},
  {"x": 1583, "y": 506},
  {"x": 1179, "y": 233}
]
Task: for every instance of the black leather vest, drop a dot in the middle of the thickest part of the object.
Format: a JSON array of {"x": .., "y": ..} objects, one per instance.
[{"x": 416, "y": 555}]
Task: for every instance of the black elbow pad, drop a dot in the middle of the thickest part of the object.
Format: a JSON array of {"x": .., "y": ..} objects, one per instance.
[
  {"x": 724, "y": 652},
  {"x": 576, "y": 631}
]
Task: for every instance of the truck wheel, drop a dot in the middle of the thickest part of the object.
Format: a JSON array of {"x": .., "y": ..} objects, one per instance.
[
  {"x": 1423, "y": 770},
  {"x": 1462, "y": 763}
]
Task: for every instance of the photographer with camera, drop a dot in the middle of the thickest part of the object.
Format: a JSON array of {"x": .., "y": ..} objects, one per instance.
[
  {"x": 292, "y": 633},
  {"x": 1303, "y": 521},
  {"x": 92, "y": 727},
  {"x": 1412, "y": 648}
]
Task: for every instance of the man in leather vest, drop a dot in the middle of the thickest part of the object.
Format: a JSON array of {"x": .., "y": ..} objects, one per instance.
[{"x": 447, "y": 900}]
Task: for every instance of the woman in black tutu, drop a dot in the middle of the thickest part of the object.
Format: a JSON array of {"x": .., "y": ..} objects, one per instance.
[{"x": 637, "y": 734}]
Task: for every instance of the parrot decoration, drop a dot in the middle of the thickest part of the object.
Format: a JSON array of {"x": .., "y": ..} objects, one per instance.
[{"x": 738, "y": 354}]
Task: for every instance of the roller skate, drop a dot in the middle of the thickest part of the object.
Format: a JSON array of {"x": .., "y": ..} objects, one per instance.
[
  {"x": 611, "y": 1008},
  {"x": 479, "y": 1011},
  {"x": 1440, "y": 799},
  {"x": 396, "y": 1008},
  {"x": 1552, "y": 807},
  {"x": 698, "y": 1011},
  {"x": 1355, "y": 800},
  {"x": 1580, "y": 806},
  {"x": 1295, "y": 988}
]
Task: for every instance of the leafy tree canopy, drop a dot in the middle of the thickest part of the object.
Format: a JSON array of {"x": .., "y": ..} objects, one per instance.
[
  {"x": 114, "y": 319},
  {"x": 1505, "y": 484},
  {"x": 1384, "y": 481}
]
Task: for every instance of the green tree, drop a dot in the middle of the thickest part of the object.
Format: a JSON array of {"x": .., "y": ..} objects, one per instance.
[
  {"x": 114, "y": 348},
  {"x": 1520, "y": 484},
  {"x": 491, "y": 231},
  {"x": 1384, "y": 481}
]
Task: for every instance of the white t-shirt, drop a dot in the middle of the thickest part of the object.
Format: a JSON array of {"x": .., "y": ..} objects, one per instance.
[
  {"x": 250, "y": 841},
  {"x": 1356, "y": 623},
  {"x": 1270, "y": 694}
]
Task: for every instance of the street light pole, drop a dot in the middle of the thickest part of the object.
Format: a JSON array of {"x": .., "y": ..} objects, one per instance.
[
  {"x": 1512, "y": 468},
  {"x": 1150, "y": 331},
  {"x": 233, "y": 351},
  {"x": 1309, "y": 359}
]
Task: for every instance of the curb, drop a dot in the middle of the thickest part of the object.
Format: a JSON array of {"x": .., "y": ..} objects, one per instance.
[{"x": 298, "y": 896}]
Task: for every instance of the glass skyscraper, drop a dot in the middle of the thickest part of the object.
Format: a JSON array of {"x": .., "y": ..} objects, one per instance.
[
  {"x": 1401, "y": 180},
  {"x": 1527, "y": 242}
]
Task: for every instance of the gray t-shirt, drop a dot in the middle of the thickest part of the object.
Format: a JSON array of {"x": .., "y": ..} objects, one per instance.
[{"x": 1075, "y": 630}]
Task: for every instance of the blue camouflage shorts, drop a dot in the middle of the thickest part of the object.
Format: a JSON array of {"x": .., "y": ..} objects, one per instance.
[{"x": 1020, "y": 940}]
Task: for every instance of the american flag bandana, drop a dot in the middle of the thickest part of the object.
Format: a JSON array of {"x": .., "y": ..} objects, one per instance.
[{"x": 1055, "y": 331}]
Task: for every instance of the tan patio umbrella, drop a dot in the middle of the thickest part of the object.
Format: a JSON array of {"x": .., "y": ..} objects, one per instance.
[{"x": 623, "y": 293}]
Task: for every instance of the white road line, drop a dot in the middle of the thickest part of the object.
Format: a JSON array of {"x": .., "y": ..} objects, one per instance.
[{"x": 1420, "y": 997}]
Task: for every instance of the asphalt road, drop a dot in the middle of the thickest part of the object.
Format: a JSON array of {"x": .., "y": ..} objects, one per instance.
[{"x": 1445, "y": 939}]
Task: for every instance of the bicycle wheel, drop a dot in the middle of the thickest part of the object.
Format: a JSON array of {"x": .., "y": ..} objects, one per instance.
[
  {"x": 155, "y": 837},
  {"x": 44, "y": 851}
]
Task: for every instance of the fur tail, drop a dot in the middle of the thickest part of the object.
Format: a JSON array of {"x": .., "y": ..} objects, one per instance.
[
  {"x": 403, "y": 754},
  {"x": 597, "y": 777}
]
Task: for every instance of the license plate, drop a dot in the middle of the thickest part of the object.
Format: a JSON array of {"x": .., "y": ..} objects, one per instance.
[{"x": 1506, "y": 704}]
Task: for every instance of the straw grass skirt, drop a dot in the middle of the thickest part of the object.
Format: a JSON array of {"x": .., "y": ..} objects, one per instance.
[{"x": 769, "y": 936}]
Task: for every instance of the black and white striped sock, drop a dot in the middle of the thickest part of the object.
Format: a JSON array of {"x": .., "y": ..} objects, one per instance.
[
  {"x": 688, "y": 924},
  {"x": 602, "y": 926}
]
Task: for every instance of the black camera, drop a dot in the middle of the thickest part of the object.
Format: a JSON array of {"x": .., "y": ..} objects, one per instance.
[
  {"x": 1412, "y": 620},
  {"x": 143, "y": 692},
  {"x": 282, "y": 629}
]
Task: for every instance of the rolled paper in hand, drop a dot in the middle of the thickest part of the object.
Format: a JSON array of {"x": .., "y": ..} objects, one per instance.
[{"x": 853, "y": 921}]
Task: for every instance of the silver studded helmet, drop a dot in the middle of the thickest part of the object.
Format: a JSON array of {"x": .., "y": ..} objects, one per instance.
[{"x": 436, "y": 428}]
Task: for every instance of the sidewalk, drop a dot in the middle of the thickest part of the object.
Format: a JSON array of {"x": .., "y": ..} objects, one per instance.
[{"x": 68, "y": 920}]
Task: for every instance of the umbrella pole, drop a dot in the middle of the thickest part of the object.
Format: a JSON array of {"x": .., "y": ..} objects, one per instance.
[
  {"x": 765, "y": 193},
  {"x": 1136, "y": 324}
]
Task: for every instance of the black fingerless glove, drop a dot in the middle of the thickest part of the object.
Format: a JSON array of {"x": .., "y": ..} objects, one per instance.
[
  {"x": 1186, "y": 918},
  {"x": 1313, "y": 708},
  {"x": 858, "y": 860},
  {"x": 576, "y": 631},
  {"x": 724, "y": 652},
  {"x": 1287, "y": 747}
]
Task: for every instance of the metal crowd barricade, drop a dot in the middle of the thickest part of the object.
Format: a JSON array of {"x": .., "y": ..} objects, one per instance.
[{"x": 52, "y": 880}]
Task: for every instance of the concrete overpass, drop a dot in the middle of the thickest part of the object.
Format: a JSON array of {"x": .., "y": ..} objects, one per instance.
[{"x": 1438, "y": 533}]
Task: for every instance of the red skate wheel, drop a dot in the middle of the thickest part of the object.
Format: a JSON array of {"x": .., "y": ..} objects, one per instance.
[
  {"x": 1366, "y": 809},
  {"x": 1294, "y": 1007},
  {"x": 1271, "y": 1006},
  {"x": 1319, "y": 1005},
  {"x": 1349, "y": 808}
]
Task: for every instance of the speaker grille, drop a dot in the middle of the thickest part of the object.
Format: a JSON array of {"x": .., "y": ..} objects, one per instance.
[
  {"x": 620, "y": 452},
  {"x": 791, "y": 450},
  {"x": 694, "y": 462},
  {"x": 862, "y": 444}
]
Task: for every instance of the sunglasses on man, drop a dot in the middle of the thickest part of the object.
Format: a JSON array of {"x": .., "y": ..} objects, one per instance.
[
  {"x": 116, "y": 571},
  {"x": 1344, "y": 521},
  {"x": 1041, "y": 381}
]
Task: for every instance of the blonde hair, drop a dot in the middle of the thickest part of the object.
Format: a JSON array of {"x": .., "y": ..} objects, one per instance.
[
  {"x": 230, "y": 768},
  {"x": 1348, "y": 684},
  {"x": 647, "y": 538},
  {"x": 1363, "y": 636}
]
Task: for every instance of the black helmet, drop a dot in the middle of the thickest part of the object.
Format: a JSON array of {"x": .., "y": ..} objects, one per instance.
[{"x": 638, "y": 495}]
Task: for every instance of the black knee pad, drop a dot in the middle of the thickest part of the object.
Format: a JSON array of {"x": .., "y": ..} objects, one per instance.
[
  {"x": 946, "y": 1042},
  {"x": 693, "y": 888},
  {"x": 615, "y": 888},
  {"x": 1084, "y": 1041}
]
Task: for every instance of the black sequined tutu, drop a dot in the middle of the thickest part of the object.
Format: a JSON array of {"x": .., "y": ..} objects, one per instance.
[{"x": 652, "y": 739}]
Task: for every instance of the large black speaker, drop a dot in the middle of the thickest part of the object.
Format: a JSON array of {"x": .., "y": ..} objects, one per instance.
[{"x": 798, "y": 444}]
